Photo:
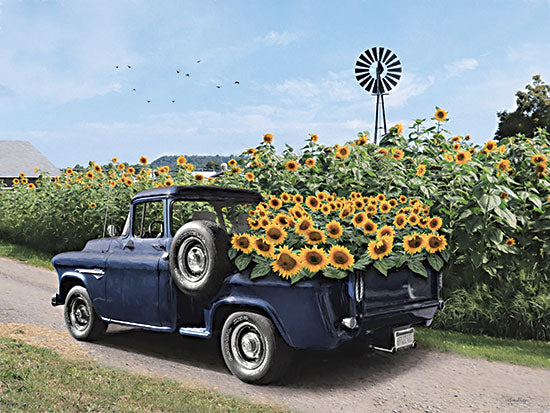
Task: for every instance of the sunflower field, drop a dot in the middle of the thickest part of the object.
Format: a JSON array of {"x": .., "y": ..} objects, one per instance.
[{"x": 485, "y": 209}]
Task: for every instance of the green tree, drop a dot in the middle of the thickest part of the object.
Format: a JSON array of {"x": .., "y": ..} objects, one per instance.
[{"x": 532, "y": 112}]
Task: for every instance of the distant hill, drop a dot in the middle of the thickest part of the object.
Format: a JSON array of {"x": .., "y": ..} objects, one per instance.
[{"x": 201, "y": 162}]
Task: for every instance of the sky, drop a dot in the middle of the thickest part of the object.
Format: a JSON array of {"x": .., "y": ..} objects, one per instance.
[{"x": 294, "y": 61}]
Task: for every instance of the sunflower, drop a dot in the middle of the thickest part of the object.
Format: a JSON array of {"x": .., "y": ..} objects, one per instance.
[
  {"x": 371, "y": 210},
  {"x": 314, "y": 138},
  {"x": 540, "y": 169},
  {"x": 403, "y": 199},
  {"x": 298, "y": 199},
  {"x": 249, "y": 176},
  {"x": 314, "y": 259},
  {"x": 310, "y": 162},
  {"x": 510, "y": 242},
  {"x": 334, "y": 229},
  {"x": 399, "y": 128},
  {"x": 379, "y": 248},
  {"x": 31, "y": 186},
  {"x": 131, "y": 170},
  {"x": 340, "y": 257},
  {"x": 262, "y": 247},
  {"x": 491, "y": 146},
  {"x": 275, "y": 203},
  {"x": 128, "y": 182},
  {"x": 503, "y": 165},
  {"x": 21, "y": 174},
  {"x": 231, "y": 163},
  {"x": 199, "y": 177},
  {"x": 297, "y": 212},
  {"x": 291, "y": 166},
  {"x": 304, "y": 225},
  {"x": 435, "y": 243},
  {"x": 413, "y": 219},
  {"x": 235, "y": 170},
  {"x": 121, "y": 166},
  {"x": 369, "y": 227},
  {"x": 420, "y": 170},
  {"x": 268, "y": 138},
  {"x": 385, "y": 207},
  {"x": 287, "y": 263},
  {"x": 435, "y": 223},
  {"x": 114, "y": 160},
  {"x": 89, "y": 175},
  {"x": 251, "y": 151},
  {"x": 346, "y": 211},
  {"x": 440, "y": 115},
  {"x": 243, "y": 242},
  {"x": 143, "y": 160},
  {"x": 400, "y": 221},
  {"x": 385, "y": 231},
  {"x": 284, "y": 220},
  {"x": 313, "y": 203},
  {"x": 342, "y": 152},
  {"x": 455, "y": 139},
  {"x": 274, "y": 234},
  {"x": 181, "y": 160},
  {"x": 381, "y": 197},
  {"x": 463, "y": 157},
  {"x": 456, "y": 146},
  {"x": 168, "y": 182},
  {"x": 448, "y": 157},
  {"x": 15, "y": 181},
  {"x": 467, "y": 137},
  {"x": 413, "y": 243},
  {"x": 361, "y": 141},
  {"x": 382, "y": 151},
  {"x": 325, "y": 209},
  {"x": 502, "y": 149},
  {"x": 504, "y": 195},
  {"x": 359, "y": 219},
  {"x": 264, "y": 222},
  {"x": 315, "y": 236},
  {"x": 398, "y": 154},
  {"x": 536, "y": 159}
]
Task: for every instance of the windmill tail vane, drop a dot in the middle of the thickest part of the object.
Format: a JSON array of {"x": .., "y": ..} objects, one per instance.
[{"x": 378, "y": 70}]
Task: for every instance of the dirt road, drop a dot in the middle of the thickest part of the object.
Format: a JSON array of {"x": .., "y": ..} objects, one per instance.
[{"x": 319, "y": 381}]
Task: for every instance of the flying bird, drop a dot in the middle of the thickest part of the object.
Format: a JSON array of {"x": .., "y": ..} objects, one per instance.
[
  {"x": 134, "y": 89},
  {"x": 129, "y": 67},
  {"x": 198, "y": 61},
  {"x": 116, "y": 67},
  {"x": 178, "y": 72},
  {"x": 237, "y": 82},
  {"x": 148, "y": 101},
  {"x": 187, "y": 75},
  {"x": 218, "y": 86},
  {"x": 173, "y": 100}
]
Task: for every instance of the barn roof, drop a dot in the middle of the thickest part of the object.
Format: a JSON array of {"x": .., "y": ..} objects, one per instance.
[{"x": 22, "y": 156}]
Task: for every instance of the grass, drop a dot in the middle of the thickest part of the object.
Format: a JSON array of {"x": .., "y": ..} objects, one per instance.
[
  {"x": 26, "y": 254},
  {"x": 523, "y": 352},
  {"x": 38, "y": 379}
]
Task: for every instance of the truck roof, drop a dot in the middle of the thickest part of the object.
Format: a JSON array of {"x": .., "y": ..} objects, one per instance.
[{"x": 207, "y": 193}]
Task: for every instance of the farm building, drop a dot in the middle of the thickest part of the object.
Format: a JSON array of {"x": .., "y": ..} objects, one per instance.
[{"x": 22, "y": 156}]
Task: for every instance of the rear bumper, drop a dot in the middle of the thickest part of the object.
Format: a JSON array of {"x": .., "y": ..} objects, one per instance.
[{"x": 55, "y": 300}]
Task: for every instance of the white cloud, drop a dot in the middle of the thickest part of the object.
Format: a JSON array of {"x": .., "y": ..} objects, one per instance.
[
  {"x": 410, "y": 85},
  {"x": 278, "y": 39},
  {"x": 459, "y": 66}
]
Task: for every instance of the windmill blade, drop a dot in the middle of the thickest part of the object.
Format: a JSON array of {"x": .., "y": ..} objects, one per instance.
[
  {"x": 370, "y": 56},
  {"x": 386, "y": 85},
  {"x": 381, "y": 52},
  {"x": 386, "y": 55},
  {"x": 361, "y": 70},
  {"x": 394, "y": 64},
  {"x": 391, "y": 59},
  {"x": 361, "y": 64},
  {"x": 364, "y": 80},
  {"x": 375, "y": 53},
  {"x": 395, "y": 76},
  {"x": 370, "y": 85},
  {"x": 392, "y": 82},
  {"x": 364, "y": 59},
  {"x": 361, "y": 76}
]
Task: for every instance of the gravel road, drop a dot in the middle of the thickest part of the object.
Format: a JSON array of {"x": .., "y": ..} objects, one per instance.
[{"x": 348, "y": 381}]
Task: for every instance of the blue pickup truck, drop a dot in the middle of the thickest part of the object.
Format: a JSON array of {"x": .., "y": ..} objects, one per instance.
[{"x": 169, "y": 271}]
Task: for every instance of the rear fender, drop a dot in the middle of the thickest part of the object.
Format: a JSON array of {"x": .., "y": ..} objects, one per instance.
[{"x": 243, "y": 304}]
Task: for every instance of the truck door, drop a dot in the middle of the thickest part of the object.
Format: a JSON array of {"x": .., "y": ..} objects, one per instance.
[{"x": 132, "y": 267}]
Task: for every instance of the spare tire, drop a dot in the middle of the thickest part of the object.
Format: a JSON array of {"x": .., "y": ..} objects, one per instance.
[{"x": 198, "y": 258}]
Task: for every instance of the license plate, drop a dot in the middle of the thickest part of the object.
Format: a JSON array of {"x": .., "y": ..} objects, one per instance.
[{"x": 403, "y": 338}]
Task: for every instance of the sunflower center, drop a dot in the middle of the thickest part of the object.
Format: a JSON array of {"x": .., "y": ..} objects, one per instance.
[
  {"x": 315, "y": 236},
  {"x": 434, "y": 242},
  {"x": 286, "y": 262},
  {"x": 340, "y": 258},
  {"x": 313, "y": 258},
  {"x": 274, "y": 233},
  {"x": 380, "y": 248},
  {"x": 304, "y": 225},
  {"x": 243, "y": 242},
  {"x": 262, "y": 246}
]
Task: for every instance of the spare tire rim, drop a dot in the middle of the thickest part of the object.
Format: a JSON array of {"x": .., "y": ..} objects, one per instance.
[
  {"x": 80, "y": 314},
  {"x": 192, "y": 259},
  {"x": 247, "y": 346}
]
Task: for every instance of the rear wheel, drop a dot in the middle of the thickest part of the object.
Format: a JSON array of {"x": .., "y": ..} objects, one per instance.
[
  {"x": 253, "y": 349},
  {"x": 82, "y": 321}
]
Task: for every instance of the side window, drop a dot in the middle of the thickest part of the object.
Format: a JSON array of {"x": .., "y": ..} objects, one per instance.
[
  {"x": 182, "y": 212},
  {"x": 148, "y": 220}
]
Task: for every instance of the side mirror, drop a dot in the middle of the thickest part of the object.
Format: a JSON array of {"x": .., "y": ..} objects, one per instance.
[{"x": 111, "y": 231}]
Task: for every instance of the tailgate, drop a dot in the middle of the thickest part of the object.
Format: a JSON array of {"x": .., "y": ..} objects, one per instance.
[{"x": 375, "y": 291}]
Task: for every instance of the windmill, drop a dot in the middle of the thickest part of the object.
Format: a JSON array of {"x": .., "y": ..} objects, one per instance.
[{"x": 378, "y": 70}]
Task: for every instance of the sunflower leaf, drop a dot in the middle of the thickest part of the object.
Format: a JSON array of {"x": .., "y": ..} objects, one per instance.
[
  {"x": 417, "y": 267},
  {"x": 362, "y": 262},
  {"x": 381, "y": 266},
  {"x": 297, "y": 277},
  {"x": 242, "y": 261},
  {"x": 435, "y": 262},
  {"x": 331, "y": 272},
  {"x": 232, "y": 253},
  {"x": 260, "y": 270}
]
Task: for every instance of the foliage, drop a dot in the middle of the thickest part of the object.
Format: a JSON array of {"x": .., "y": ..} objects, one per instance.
[
  {"x": 34, "y": 379},
  {"x": 26, "y": 254},
  {"x": 532, "y": 112}
]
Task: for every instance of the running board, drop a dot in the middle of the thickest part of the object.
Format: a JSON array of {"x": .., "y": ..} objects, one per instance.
[{"x": 195, "y": 332}]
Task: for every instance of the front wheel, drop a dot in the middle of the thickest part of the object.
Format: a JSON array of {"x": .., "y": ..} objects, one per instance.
[
  {"x": 253, "y": 349},
  {"x": 82, "y": 321}
]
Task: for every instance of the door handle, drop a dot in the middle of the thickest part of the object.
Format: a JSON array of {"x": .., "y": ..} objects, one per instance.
[{"x": 159, "y": 247}]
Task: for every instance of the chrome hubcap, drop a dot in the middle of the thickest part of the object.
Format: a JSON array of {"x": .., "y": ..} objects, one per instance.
[
  {"x": 247, "y": 346},
  {"x": 80, "y": 314},
  {"x": 196, "y": 260}
]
